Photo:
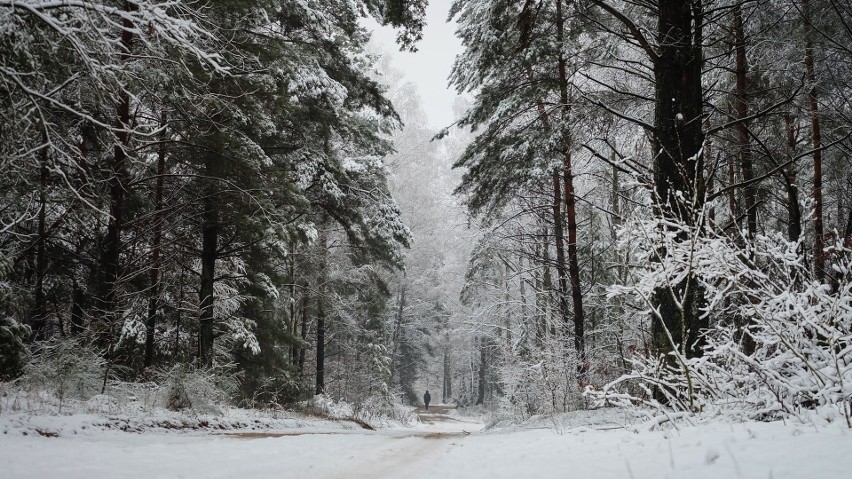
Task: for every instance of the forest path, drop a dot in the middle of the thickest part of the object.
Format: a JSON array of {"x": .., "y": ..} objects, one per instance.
[
  {"x": 412, "y": 451},
  {"x": 443, "y": 445},
  {"x": 386, "y": 453},
  {"x": 438, "y": 413}
]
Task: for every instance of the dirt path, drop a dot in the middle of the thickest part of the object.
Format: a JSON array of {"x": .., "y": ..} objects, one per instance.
[
  {"x": 441, "y": 423},
  {"x": 409, "y": 454},
  {"x": 435, "y": 414},
  {"x": 391, "y": 453}
]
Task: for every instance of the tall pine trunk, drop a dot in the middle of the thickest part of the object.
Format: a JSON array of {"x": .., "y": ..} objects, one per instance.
[
  {"x": 732, "y": 194},
  {"x": 483, "y": 366},
  {"x": 397, "y": 330},
  {"x": 559, "y": 242},
  {"x": 678, "y": 166},
  {"x": 112, "y": 241},
  {"x": 40, "y": 314},
  {"x": 209, "y": 254},
  {"x": 304, "y": 333},
  {"x": 742, "y": 107},
  {"x": 77, "y": 309},
  {"x": 321, "y": 287},
  {"x": 294, "y": 349},
  {"x": 816, "y": 138},
  {"x": 571, "y": 207},
  {"x": 320, "y": 378},
  {"x": 556, "y": 208},
  {"x": 794, "y": 211},
  {"x": 447, "y": 392},
  {"x": 117, "y": 183},
  {"x": 541, "y": 289},
  {"x": 156, "y": 250}
]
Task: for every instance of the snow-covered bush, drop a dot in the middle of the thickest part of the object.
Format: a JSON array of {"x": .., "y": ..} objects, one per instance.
[
  {"x": 324, "y": 405},
  {"x": 13, "y": 351},
  {"x": 779, "y": 341},
  {"x": 202, "y": 390},
  {"x": 372, "y": 411},
  {"x": 67, "y": 368},
  {"x": 261, "y": 392},
  {"x": 381, "y": 409},
  {"x": 540, "y": 380}
]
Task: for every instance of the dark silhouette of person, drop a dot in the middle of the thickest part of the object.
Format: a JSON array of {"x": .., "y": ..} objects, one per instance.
[{"x": 426, "y": 398}]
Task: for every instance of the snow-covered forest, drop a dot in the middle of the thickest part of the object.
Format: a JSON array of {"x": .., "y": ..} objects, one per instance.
[{"x": 237, "y": 216}]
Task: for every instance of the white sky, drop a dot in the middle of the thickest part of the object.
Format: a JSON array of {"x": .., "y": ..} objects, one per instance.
[{"x": 430, "y": 66}]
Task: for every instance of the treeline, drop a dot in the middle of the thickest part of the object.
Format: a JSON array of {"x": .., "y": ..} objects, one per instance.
[
  {"x": 621, "y": 147},
  {"x": 199, "y": 183}
]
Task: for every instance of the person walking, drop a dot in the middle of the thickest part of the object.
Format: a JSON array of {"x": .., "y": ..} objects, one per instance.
[{"x": 426, "y": 398}]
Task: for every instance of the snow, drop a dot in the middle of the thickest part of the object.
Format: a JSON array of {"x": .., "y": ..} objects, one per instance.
[{"x": 585, "y": 444}]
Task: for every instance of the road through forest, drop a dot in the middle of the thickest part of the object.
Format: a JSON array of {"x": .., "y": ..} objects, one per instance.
[
  {"x": 410, "y": 453},
  {"x": 444, "y": 445},
  {"x": 392, "y": 453}
]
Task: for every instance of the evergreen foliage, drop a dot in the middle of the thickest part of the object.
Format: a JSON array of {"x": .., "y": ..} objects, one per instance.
[
  {"x": 167, "y": 166},
  {"x": 13, "y": 358}
]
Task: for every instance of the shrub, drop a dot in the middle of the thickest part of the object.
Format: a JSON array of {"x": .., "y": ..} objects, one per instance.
[
  {"x": 779, "y": 341},
  {"x": 202, "y": 390},
  {"x": 13, "y": 353},
  {"x": 67, "y": 368}
]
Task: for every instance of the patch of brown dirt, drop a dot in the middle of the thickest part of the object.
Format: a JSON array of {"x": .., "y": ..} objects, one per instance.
[
  {"x": 435, "y": 414},
  {"x": 434, "y": 410},
  {"x": 446, "y": 435},
  {"x": 267, "y": 435}
]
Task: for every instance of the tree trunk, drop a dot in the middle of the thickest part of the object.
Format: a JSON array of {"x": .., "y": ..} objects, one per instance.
[
  {"x": 571, "y": 206},
  {"x": 732, "y": 180},
  {"x": 794, "y": 211},
  {"x": 615, "y": 202},
  {"x": 112, "y": 241},
  {"x": 527, "y": 321},
  {"x": 304, "y": 332},
  {"x": 617, "y": 221},
  {"x": 320, "y": 376},
  {"x": 209, "y": 254},
  {"x": 847, "y": 234},
  {"x": 294, "y": 349},
  {"x": 559, "y": 240},
  {"x": 397, "y": 330},
  {"x": 710, "y": 187},
  {"x": 816, "y": 132},
  {"x": 678, "y": 136},
  {"x": 742, "y": 106},
  {"x": 506, "y": 311},
  {"x": 112, "y": 246},
  {"x": 179, "y": 313},
  {"x": 557, "y": 204},
  {"x": 156, "y": 248},
  {"x": 678, "y": 166},
  {"x": 540, "y": 289},
  {"x": 320, "y": 383},
  {"x": 574, "y": 272},
  {"x": 549, "y": 322},
  {"x": 77, "y": 311},
  {"x": 447, "y": 393},
  {"x": 483, "y": 360},
  {"x": 39, "y": 314}
]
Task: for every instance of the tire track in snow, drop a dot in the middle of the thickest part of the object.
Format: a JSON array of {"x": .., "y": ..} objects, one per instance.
[
  {"x": 400, "y": 457},
  {"x": 412, "y": 454}
]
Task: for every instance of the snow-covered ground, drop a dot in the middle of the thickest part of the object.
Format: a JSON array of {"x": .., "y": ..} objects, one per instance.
[{"x": 444, "y": 444}]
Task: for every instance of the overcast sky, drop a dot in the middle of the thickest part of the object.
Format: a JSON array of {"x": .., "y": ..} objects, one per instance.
[{"x": 429, "y": 67}]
